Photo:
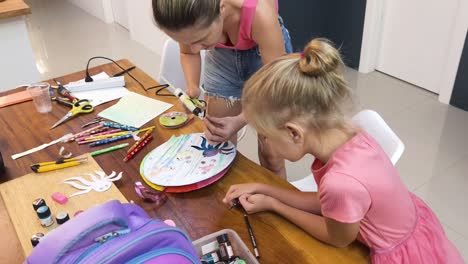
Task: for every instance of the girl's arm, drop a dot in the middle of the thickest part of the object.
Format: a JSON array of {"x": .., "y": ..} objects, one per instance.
[
  {"x": 191, "y": 65},
  {"x": 324, "y": 229},
  {"x": 266, "y": 31},
  {"x": 305, "y": 201}
]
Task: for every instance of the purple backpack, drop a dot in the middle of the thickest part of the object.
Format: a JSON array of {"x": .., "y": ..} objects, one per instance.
[{"x": 114, "y": 233}]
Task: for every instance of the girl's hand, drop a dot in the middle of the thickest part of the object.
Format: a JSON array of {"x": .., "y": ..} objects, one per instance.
[
  {"x": 235, "y": 191},
  {"x": 219, "y": 130},
  {"x": 257, "y": 203}
]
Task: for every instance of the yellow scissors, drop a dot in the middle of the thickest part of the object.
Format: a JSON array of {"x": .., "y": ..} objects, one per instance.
[{"x": 79, "y": 107}]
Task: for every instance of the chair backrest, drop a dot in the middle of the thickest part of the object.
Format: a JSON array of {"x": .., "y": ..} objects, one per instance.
[
  {"x": 371, "y": 122},
  {"x": 171, "y": 69}
]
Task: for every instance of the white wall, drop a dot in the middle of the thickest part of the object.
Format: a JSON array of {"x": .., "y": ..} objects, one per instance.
[
  {"x": 371, "y": 42},
  {"x": 143, "y": 28},
  {"x": 101, "y": 9},
  {"x": 371, "y": 36},
  {"x": 17, "y": 63},
  {"x": 453, "y": 55},
  {"x": 140, "y": 18}
]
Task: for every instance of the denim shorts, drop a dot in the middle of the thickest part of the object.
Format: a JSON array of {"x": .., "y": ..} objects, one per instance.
[{"x": 226, "y": 70}]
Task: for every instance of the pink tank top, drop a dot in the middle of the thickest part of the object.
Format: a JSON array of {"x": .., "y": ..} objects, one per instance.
[{"x": 244, "y": 38}]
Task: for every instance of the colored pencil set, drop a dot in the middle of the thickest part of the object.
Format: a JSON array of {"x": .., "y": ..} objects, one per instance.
[{"x": 109, "y": 132}]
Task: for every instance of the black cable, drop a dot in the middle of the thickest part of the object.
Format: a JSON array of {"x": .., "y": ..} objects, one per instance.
[
  {"x": 88, "y": 77},
  {"x": 161, "y": 88}
]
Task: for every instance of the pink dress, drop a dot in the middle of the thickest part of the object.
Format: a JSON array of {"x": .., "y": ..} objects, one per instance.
[
  {"x": 244, "y": 39},
  {"x": 359, "y": 183}
]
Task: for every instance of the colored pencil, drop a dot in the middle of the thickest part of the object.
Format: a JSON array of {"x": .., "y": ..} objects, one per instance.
[
  {"x": 138, "y": 148},
  {"x": 98, "y": 134},
  {"x": 120, "y": 133},
  {"x": 106, "y": 150},
  {"x": 109, "y": 140},
  {"x": 140, "y": 140}
]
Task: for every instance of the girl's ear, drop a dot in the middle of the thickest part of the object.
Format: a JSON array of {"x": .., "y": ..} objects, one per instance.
[{"x": 295, "y": 132}]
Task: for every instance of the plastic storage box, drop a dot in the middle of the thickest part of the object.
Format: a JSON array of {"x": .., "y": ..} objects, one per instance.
[{"x": 238, "y": 246}]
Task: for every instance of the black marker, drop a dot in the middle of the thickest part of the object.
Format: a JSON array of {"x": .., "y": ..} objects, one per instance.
[{"x": 252, "y": 236}]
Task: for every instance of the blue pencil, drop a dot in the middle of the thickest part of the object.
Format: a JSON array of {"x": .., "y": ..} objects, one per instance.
[
  {"x": 119, "y": 126},
  {"x": 109, "y": 140}
]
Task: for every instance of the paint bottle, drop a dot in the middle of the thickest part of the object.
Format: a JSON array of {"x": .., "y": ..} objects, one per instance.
[
  {"x": 211, "y": 258},
  {"x": 225, "y": 247},
  {"x": 62, "y": 217},
  {"x": 36, "y": 238},
  {"x": 39, "y": 202},
  {"x": 45, "y": 217}
]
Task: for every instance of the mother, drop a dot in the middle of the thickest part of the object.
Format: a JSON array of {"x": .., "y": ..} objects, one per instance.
[{"x": 240, "y": 36}]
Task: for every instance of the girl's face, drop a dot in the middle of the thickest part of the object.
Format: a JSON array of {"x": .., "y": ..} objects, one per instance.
[
  {"x": 289, "y": 143},
  {"x": 199, "y": 38}
]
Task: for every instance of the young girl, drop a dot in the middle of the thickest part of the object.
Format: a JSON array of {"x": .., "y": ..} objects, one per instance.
[
  {"x": 297, "y": 103},
  {"x": 240, "y": 36}
]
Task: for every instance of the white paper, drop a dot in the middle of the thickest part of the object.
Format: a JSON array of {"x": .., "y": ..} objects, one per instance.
[{"x": 135, "y": 110}]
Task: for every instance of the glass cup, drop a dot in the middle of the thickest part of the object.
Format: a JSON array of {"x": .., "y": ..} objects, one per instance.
[{"x": 41, "y": 96}]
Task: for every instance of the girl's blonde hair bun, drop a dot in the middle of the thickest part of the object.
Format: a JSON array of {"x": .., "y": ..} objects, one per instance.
[{"x": 319, "y": 57}]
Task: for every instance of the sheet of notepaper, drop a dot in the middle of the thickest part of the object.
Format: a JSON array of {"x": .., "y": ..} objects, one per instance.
[
  {"x": 135, "y": 110},
  {"x": 100, "y": 96}
]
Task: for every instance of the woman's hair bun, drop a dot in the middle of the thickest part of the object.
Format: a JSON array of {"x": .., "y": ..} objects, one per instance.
[{"x": 319, "y": 57}]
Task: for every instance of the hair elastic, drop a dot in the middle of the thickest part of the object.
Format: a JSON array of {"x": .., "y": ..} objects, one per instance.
[{"x": 302, "y": 55}]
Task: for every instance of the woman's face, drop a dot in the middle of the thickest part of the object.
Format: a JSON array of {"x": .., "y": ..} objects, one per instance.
[{"x": 199, "y": 37}]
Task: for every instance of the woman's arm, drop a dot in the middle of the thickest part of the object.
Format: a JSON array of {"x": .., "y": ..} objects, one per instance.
[
  {"x": 266, "y": 31},
  {"x": 191, "y": 65}
]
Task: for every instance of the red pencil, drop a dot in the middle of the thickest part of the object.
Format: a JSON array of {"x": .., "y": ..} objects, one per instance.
[
  {"x": 138, "y": 148},
  {"x": 146, "y": 135}
]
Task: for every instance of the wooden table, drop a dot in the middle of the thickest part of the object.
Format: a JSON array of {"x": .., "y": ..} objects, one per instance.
[{"x": 199, "y": 213}]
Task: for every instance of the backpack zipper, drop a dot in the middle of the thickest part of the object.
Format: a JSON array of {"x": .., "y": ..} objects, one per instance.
[
  {"x": 160, "y": 252},
  {"x": 70, "y": 245},
  {"x": 108, "y": 257}
]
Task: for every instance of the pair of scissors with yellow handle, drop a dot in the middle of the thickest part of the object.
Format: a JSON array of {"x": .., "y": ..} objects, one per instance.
[{"x": 79, "y": 107}]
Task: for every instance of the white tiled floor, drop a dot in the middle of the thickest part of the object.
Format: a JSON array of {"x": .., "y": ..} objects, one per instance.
[{"x": 435, "y": 162}]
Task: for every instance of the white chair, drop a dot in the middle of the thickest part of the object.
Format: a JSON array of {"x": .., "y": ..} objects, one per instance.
[
  {"x": 171, "y": 71},
  {"x": 371, "y": 122}
]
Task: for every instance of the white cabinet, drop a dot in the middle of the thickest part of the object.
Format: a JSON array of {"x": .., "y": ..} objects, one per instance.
[{"x": 17, "y": 63}]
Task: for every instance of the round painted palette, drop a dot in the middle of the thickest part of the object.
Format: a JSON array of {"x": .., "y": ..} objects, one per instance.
[
  {"x": 186, "y": 188},
  {"x": 185, "y": 160}
]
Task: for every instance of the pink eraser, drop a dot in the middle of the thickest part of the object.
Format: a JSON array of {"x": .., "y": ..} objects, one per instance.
[{"x": 59, "y": 198}]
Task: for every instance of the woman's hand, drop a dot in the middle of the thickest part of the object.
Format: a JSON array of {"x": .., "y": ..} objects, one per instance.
[
  {"x": 257, "y": 203},
  {"x": 237, "y": 190},
  {"x": 193, "y": 92},
  {"x": 219, "y": 130}
]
